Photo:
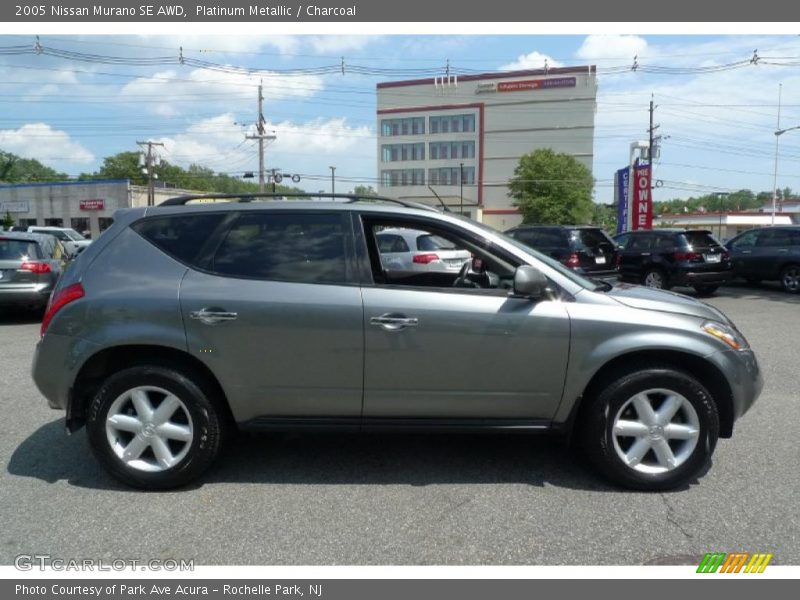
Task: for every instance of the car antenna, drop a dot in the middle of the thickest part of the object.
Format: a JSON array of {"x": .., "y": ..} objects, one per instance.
[{"x": 444, "y": 206}]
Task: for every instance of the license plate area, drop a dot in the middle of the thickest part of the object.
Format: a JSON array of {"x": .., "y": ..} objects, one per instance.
[
  {"x": 600, "y": 260},
  {"x": 712, "y": 258}
]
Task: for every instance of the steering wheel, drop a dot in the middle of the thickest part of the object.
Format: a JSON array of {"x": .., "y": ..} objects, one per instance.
[{"x": 462, "y": 280}]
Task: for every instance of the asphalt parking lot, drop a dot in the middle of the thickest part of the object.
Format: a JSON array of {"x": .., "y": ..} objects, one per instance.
[{"x": 408, "y": 499}]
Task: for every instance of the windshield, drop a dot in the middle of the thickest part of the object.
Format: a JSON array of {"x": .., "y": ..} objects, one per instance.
[
  {"x": 74, "y": 235},
  {"x": 550, "y": 262}
]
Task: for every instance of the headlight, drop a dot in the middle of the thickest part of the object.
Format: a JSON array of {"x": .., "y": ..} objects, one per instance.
[{"x": 727, "y": 334}]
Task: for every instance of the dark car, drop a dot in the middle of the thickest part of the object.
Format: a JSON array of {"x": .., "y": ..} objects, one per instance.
[
  {"x": 30, "y": 265},
  {"x": 585, "y": 249},
  {"x": 768, "y": 253},
  {"x": 665, "y": 258}
]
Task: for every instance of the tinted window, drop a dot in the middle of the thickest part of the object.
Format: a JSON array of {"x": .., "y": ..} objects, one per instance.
[
  {"x": 180, "y": 236},
  {"x": 622, "y": 240},
  {"x": 541, "y": 238},
  {"x": 641, "y": 242},
  {"x": 590, "y": 238},
  {"x": 300, "y": 247},
  {"x": 746, "y": 240},
  {"x": 665, "y": 242},
  {"x": 18, "y": 249},
  {"x": 700, "y": 239},
  {"x": 774, "y": 238},
  {"x": 388, "y": 242},
  {"x": 434, "y": 242}
]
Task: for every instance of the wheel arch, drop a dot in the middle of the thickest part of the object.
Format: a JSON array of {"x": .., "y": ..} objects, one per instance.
[
  {"x": 115, "y": 358},
  {"x": 698, "y": 367}
]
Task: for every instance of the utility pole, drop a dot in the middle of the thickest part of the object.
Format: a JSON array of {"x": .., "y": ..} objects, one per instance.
[
  {"x": 778, "y": 133},
  {"x": 260, "y": 136},
  {"x": 461, "y": 178},
  {"x": 149, "y": 160},
  {"x": 651, "y": 150},
  {"x": 333, "y": 180}
]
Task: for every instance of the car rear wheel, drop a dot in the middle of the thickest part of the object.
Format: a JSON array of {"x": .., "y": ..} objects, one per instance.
[
  {"x": 790, "y": 278},
  {"x": 154, "y": 427},
  {"x": 705, "y": 290},
  {"x": 655, "y": 278},
  {"x": 653, "y": 429}
]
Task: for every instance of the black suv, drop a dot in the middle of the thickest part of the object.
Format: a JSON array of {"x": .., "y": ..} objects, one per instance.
[
  {"x": 771, "y": 253},
  {"x": 664, "y": 258},
  {"x": 585, "y": 249}
]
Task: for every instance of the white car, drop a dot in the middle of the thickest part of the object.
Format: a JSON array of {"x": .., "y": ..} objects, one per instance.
[
  {"x": 73, "y": 242},
  {"x": 415, "y": 250}
]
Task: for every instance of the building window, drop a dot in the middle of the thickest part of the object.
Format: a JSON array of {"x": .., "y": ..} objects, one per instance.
[
  {"x": 28, "y": 222},
  {"x": 451, "y": 150},
  {"x": 395, "y": 152},
  {"x": 80, "y": 224},
  {"x": 54, "y": 222},
  {"x": 452, "y": 123},
  {"x": 407, "y": 126},
  {"x": 104, "y": 223},
  {"x": 404, "y": 177},
  {"x": 451, "y": 176}
]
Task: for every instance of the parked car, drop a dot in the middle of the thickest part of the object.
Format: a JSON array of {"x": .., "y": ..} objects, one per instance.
[
  {"x": 583, "y": 248},
  {"x": 185, "y": 321},
  {"x": 404, "y": 249},
  {"x": 30, "y": 265},
  {"x": 768, "y": 253},
  {"x": 73, "y": 241},
  {"x": 665, "y": 258}
]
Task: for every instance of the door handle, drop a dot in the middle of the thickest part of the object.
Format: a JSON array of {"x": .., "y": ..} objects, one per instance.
[
  {"x": 394, "y": 322},
  {"x": 210, "y": 316}
]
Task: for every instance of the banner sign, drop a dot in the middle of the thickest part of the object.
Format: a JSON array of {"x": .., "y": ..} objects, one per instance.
[
  {"x": 536, "y": 84},
  {"x": 14, "y": 206},
  {"x": 622, "y": 187},
  {"x": 642, "y": 202},
  {"x": 95, "y": 204}
]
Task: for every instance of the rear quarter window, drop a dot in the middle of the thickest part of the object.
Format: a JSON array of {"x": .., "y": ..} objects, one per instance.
[
  {"x": 699, "y": 239},
  {"x": 180, "y": 236}
]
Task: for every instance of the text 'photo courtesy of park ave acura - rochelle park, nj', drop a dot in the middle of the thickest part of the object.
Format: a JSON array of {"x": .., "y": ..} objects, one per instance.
[{"x": 279, "y": 298}]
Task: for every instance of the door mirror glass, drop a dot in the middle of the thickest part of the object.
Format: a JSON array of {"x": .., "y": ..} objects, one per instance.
[{"x": 529, "y": 282}]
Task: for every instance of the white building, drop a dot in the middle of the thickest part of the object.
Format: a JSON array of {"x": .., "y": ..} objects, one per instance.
[
  {"x": 463, "y": 136},
  {"x": 81, "y": 205},
  {"x": 723, "y": 225}
]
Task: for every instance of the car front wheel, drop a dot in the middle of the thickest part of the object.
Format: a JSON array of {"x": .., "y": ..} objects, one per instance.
[
  {"x": 154, "y": 427},
  {"x": 653, "y": 429}
]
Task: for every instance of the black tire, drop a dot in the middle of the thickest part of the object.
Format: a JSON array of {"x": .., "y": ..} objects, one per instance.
[
  {"x": 207, "y": 423},
  {"x": 597, "y": 421},
  {"x": 790, "y": 278},
  {"x": 705, "y": 290},
  {"x": 655, "y": 278}
]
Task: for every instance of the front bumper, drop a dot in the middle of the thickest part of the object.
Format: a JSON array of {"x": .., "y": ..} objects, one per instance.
[{"x": 744, "y": 376}]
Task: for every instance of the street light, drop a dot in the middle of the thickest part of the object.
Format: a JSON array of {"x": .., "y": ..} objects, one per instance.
[
  {"x": 333, "y": 180},
  {"x": 778, "y": 134},
  {"x": 721, "y": 196}
]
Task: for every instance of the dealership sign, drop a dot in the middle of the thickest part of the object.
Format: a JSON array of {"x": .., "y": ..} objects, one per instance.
[
  {"x": 622, "y": 186},
  {"x": 14, "y": 206},
  {"x": 536, "y": 84},
  {"x": 642, "y": 201},
  {"x": 96, "y": 204}
]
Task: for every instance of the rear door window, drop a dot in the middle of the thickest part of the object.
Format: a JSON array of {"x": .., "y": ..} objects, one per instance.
[
  {"x": 591, "y": 239},
  {"x": 541, "y": 238},
  {"x": 775, "y": 238},
  {"x": 283, "y": 246},
  {"x": 640, "y": 242}
]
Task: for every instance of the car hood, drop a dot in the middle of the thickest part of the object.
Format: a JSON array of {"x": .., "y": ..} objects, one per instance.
[{"x": 637, "y": 296}]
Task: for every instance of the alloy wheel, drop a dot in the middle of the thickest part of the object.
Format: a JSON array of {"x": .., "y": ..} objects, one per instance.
[
  {"x": 655, "y": 431},
  {"x": 654, "y": 279},
  {"x": 149, "y": 429},
  {"x": 791, "y": 279}
]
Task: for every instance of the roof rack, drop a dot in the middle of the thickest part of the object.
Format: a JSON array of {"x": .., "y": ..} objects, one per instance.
[{"x": 250, "y": 197}]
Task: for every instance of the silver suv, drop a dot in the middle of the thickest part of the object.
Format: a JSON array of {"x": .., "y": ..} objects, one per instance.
[{"x": 187, "y": 321}]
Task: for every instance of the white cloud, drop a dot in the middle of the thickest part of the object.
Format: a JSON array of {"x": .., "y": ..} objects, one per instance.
[
  {"x": 179, "y": 90},
  {"x": 335, "y": 44},
  {"x": 245, "y": 43},
  {"x": 49, "y": 146},
  {"x": 533, "y": 60},
  {"x": 619, "y": 47},
  {"x": 306, "y": 148}
]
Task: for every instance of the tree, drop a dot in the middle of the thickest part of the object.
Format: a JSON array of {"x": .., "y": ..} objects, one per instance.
[
  {"x": 15, "y": 169},
  {"x": 364, "y": 190},
  {"x": 550, "y": 187},
  {"x": 605, "y": 216},
  {"x": 8, "y": 221}
]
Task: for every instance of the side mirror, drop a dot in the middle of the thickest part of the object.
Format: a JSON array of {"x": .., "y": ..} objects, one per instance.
[{"x": 529, "y": 282}]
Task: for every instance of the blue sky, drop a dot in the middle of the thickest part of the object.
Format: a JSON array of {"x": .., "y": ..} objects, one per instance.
[{"x": 720, "y": 123}]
